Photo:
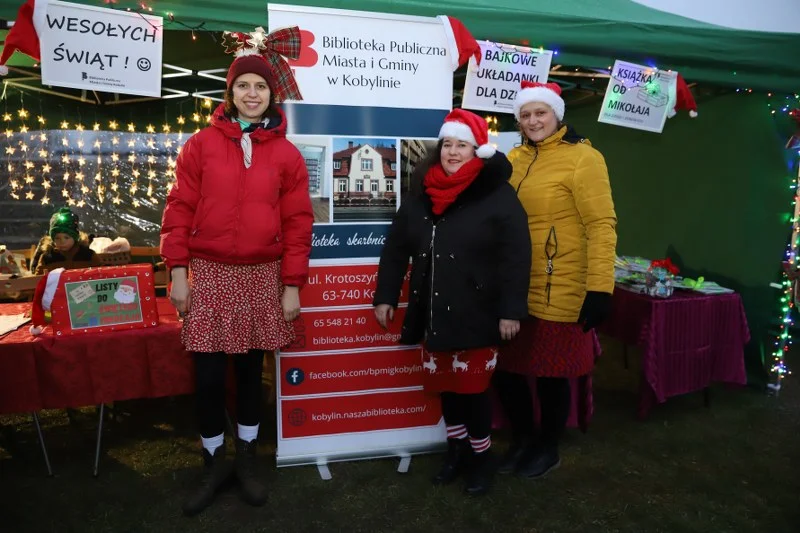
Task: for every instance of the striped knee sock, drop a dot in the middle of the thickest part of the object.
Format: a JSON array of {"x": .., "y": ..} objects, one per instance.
[
  {"x": 457, "y": 432},
  {"x": 480, "y": 445}
]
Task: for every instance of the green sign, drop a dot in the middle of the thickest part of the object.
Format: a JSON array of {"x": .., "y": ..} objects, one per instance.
[{"x": 103, "y": 302}]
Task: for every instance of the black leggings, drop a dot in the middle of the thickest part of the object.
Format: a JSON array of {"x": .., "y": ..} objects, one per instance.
[
  {"x": 517, "y": 402},
  {"x": 210, "y": 375},
  {"x": 472, "y": 410}
]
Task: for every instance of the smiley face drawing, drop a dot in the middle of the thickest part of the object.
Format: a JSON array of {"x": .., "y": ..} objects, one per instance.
[{"x": 143, "y": 64}]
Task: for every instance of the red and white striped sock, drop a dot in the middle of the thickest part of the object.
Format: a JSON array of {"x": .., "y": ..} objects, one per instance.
[
  {"x": 480, "y": 445},
  {"x": 457, "y": 432}
]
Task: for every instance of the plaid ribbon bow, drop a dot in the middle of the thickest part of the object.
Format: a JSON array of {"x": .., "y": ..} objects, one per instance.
[{"x": 273, "y": 47}]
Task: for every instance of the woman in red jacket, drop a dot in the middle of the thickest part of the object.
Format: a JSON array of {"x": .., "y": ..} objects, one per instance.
[{"x": 236, "y": 234}]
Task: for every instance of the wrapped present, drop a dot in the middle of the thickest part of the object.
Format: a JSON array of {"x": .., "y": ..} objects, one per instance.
[
  {"x": 659, "y": 280},
  {"x": 96, "y": 300}
]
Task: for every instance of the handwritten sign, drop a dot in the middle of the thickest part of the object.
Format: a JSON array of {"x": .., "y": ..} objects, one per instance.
[
  {"x": 101, "y": 49},
  {"x": 103, "y": 302},
  {"x": 494, "y": 85},
  {"x": 638, "y": 97}
]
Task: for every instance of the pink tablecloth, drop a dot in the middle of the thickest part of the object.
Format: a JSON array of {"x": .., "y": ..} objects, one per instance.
[
  {"x": 73, "y": 371},
  {"x": 687, "y": 341}
]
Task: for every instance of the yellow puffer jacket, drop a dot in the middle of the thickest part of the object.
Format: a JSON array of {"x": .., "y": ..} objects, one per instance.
[{"x": 563, "y": 184}]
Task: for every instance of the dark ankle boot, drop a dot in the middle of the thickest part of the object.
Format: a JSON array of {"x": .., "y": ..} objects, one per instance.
[
  {"x": 455, "y": 462},
  {"x": 216, "y": 471},
  {"x": 480, "y": 474},
  {"x": 538, "y": 461},
  {"x": 511, "y": 458},
  {"x": 253, "y": 490}
]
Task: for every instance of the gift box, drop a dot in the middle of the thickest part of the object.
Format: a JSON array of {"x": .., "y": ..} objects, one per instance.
[
  {"x": 102, "y": 299},
  {"x": 659, "y": 279}
]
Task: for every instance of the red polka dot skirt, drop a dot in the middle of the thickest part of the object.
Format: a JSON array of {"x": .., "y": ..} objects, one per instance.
[
  {"x": 235, "y": 308},
  {"x": 543, "y": 348},
  {"x": 464, "y": 371}
]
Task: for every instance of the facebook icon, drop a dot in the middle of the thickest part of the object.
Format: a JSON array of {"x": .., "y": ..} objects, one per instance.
[{"x": 295, "y": 376}]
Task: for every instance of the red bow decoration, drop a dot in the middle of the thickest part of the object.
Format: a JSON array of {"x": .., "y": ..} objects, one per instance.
[
  {"x": 275, "y": 48},
  {"x": 666, "y": 264}
]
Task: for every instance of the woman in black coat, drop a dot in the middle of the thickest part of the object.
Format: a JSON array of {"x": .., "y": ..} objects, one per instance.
[{"x": 466, "y": 234}]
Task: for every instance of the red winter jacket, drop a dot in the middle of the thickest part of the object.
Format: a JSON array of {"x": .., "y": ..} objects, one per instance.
[{"x": 221, "y": 211}]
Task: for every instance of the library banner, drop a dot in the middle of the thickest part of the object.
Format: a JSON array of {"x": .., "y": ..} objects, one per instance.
[
  {"x": 365, "y": 73},
  {"x": 376, "y": 88}
]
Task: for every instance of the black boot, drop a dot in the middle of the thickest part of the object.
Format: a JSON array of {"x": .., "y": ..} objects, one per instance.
[
  {"x": 216, "y": 471},
  {"x": 455, "y": 462},
  {"x": 538, "y": 461},
  {"x": 481, "y": 473},
  {"x": 253, "y": 490},
  {"x": 510, "y": 459}
]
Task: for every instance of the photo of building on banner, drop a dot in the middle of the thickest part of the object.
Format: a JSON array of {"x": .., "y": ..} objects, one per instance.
[
  {"x": 638, "y": 97},
  {"x": 493, "y": 85}
]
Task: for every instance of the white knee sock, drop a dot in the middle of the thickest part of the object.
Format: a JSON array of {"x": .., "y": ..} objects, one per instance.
[
  {"x": 248, "y": 433},
  {"x": 213, "y": 443}
]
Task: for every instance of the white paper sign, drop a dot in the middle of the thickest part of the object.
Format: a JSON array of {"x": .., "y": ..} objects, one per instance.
[
  {"x": 359, "y": 58},
  {"x": 493, "y": 85},
  {"x": 101, "y": 49},
  {"x": 82, "y": 292},
  {"x": 638, "y": 97}
]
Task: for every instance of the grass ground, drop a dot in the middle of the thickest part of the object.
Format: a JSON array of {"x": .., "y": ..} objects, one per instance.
[{"x": 732, "y": 467}]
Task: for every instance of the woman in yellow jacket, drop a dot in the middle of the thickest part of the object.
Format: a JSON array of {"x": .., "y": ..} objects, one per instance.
[{"x": 563, "y": 185}]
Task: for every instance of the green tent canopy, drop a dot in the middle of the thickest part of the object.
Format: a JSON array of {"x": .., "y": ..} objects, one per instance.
[{"x": 587, "y": 33}]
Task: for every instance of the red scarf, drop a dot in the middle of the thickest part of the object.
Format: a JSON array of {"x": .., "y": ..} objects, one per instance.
[{"x": 444, "y": 189}]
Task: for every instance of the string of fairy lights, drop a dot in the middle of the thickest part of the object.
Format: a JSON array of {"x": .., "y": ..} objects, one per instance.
[
  {"x": 68, "y": 162},
  {"x": 778, "y": 106}
]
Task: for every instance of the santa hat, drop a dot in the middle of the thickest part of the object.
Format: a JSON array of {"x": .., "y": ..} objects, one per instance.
[
  {"x": 683, "y": 99},
  {"x": 43, "y": 299},
  {"x": 130, "y": 284},
  {"x": 468, "y": 127},
  {"x": 547, "y": 93},
  {"x": 462, "y": 45},
  {"x": 24, "y": 34}
]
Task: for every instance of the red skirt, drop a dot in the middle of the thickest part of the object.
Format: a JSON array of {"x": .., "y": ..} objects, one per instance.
[
  {"x": 235, "y": 308},
  {"x": 550, "y": 349},
  {"x": 464, "y": 371}
]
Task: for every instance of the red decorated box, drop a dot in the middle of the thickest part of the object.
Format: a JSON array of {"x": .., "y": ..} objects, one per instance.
[{"x": 104, "y": 299}]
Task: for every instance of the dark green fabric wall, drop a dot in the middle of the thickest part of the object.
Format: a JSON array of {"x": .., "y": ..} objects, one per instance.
[{"x": 712, "y": 193}]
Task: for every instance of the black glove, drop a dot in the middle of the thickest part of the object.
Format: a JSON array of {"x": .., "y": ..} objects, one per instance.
[{"x": 596, "y": 308}]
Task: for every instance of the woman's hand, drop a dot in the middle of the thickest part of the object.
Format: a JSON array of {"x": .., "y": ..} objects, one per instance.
[
  {"x": 290, "y": 302},
  {"x": 180, "y": 294},
  {"x": 384, "y": 313},
  {"x": 508, "y": 329}
]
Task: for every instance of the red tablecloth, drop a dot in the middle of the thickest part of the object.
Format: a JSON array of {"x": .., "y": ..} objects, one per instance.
[
  {"x": 48, "y": 373},
  {"x": 688, "y": 341}
]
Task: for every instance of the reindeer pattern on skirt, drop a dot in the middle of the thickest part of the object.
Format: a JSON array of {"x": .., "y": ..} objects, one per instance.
[{"x": 463, "y": 371}]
